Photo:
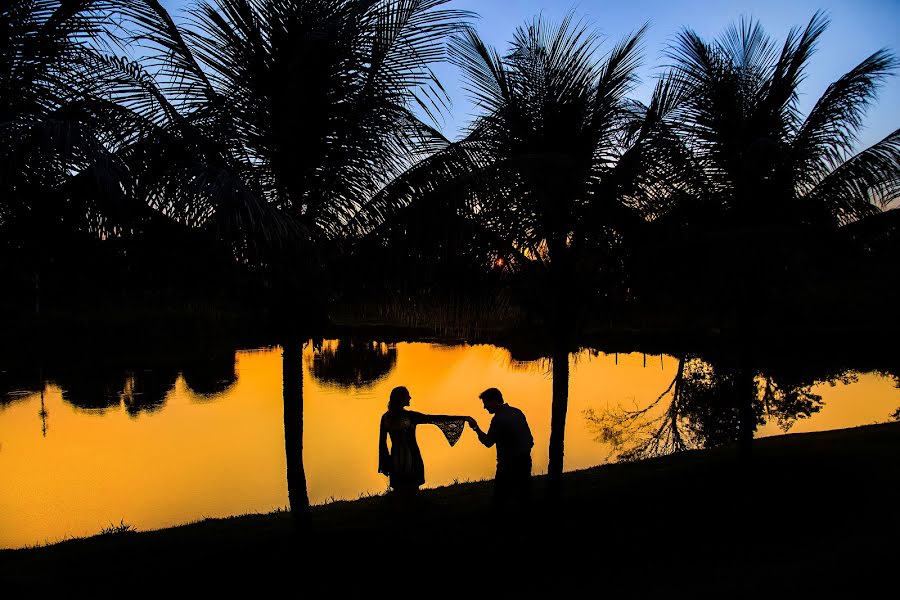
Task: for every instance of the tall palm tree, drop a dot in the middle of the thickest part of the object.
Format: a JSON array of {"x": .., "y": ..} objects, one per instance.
[
  {"x": 271, "y": 124},
  {"x": 553, "y": 172},
  {"x": 763, "y": 178}
]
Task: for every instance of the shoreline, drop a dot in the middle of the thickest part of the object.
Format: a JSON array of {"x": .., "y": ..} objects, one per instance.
[
  {"x": 807, "y": 505},
  {"x": 150, "y": 330}
]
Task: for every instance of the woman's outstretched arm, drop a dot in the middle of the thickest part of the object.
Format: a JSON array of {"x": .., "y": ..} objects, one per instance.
[{"x": 423, "y": 418}]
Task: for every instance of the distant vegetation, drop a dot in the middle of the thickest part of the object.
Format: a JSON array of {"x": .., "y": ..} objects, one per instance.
[{"x": 272, "y": 159}]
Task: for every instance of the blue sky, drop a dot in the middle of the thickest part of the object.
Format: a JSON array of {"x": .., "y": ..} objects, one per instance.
[{"x": 858, "y": 28}]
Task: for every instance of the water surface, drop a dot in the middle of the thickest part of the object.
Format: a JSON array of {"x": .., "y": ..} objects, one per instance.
[{"x": 167, "y": 446}]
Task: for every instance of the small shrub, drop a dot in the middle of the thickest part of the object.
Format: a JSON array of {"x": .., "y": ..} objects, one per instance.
[{"x": 122, "y": 527}]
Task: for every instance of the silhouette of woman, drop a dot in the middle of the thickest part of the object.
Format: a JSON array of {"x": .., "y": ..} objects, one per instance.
[{"x": 403, "y": 462}]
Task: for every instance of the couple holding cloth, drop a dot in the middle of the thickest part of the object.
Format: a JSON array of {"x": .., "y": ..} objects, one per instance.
[{"x": 509, "y": 431}]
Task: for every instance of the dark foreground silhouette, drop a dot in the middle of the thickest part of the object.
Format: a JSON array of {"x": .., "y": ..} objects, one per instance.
[{"x": 813, "y": 515}]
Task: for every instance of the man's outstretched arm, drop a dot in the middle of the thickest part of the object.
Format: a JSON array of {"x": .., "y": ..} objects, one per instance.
[{"x": 485, "y": 438}]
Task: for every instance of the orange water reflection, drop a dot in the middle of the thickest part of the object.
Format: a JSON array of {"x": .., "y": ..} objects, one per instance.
[{"x": 195, "y": 458}]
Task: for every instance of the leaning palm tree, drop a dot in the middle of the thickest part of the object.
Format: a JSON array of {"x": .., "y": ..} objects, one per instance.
[
  {"x": 762, "y": 177},
  {"x": 553, "y": 172},
  {"x": 270, "y": 124}
]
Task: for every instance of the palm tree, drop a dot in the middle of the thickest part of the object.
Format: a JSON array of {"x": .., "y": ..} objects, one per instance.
[
  {"x": 271, "y": 124},
  {"x": 553, "y": 173},
  {"x": 59, "y": 178},
  {"x": 761, "y": 178},
  {"x": 760, "y": 161}
]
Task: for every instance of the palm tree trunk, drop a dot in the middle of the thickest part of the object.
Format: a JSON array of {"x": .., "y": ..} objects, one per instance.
[
  {"x": 746, "y": 391},
  {"x": 559, "y": 406},
  {"x": 292, "y": 373},
  {"x": 37, "y": 293}
]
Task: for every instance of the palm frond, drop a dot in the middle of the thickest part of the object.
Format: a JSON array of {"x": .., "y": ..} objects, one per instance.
[
  {"x": 830, "y": 130},
  {"x": 788, "y": 73},
  {"x": 618, "y": 76},
  {"x": 864, "y": 182},
  {"x": 748, "y": 48},
  {"x": 485, "y": 74},
  {"x": 168, "y": 55}
]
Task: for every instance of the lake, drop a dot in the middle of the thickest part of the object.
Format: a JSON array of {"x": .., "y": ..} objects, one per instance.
[{"x": 154, "y": 446}]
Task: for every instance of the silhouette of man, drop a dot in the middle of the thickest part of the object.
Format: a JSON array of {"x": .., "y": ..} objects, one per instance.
[{"x": 510, "y": 432}]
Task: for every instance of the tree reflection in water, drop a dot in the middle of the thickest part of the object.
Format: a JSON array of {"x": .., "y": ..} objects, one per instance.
[
  {"x": 895, "y": 375},
  {"x": 211, "y": 376},
  {"x": 705, "y": 403},
  {"x": 19, "y": 384},
  {"x": 101, "y": 382},
  {"x": 96, "y": 388},
  {"x": 146, "y": 391},
  {"x": 100, "y": 389},
  {"x": 350, "y": 363}
]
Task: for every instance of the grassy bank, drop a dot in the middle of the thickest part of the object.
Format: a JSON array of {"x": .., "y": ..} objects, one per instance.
[{"x": 812, "y": 514}]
